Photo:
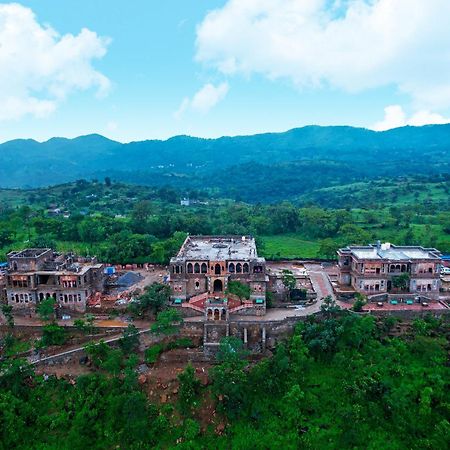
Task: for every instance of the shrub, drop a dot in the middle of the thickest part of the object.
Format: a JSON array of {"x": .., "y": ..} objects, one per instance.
[{"x": 152, "y": 353}]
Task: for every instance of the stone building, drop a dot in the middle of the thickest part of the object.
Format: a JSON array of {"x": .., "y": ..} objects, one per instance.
[
  {"x": 203, "y": 267},
  {"x": 37, "y": 273},
  {"x": 372, "y": 269}
]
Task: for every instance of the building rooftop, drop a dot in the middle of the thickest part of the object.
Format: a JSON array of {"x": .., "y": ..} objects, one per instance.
[
  {"x": 29, "y": 253},
  {"x": 218, "y": 248},
  {"x": 391, "y": 252}
]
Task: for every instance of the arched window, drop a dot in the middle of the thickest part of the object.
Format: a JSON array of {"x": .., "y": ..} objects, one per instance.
[
  {"x": 197, "y": 285},
  {"x": 196, "y": 268},
  {"x": 173, "y": 269},
  {"x": 245, "y": 268},
  {"x": 204, "y": 268},
  {"x": 181, "y": 269},
  {"x": 403, "y": 268},
  {"x": 397, "y": 267},
  {"x": 231, "y": 268},
  {"x": 217, "y": 269},
  {"x": 190, "y": 268},
  {"x": 392, "y": 268},
  {"x": 238, "y": 268}
]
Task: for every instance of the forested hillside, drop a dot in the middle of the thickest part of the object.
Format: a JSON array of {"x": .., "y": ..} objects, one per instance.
[
  {"x": 265, "y": 167},
  {"x": 339, "y": 383}
]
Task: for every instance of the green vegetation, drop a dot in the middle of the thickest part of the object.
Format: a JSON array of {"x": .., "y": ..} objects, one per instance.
[
  {"x": 239, "y": 289},
  {"x": 338, "y": 383},
  {"x": 152, "y": 301},
  {"x": 125, "y": 224}
]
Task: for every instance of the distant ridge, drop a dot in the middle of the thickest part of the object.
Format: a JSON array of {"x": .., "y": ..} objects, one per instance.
[{"x": 28, "y": 163}]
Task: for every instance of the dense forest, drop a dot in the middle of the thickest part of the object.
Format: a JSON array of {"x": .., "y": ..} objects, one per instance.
[
  {"x": 126, "y": 223},
  {"x": 340, "y": 382}
]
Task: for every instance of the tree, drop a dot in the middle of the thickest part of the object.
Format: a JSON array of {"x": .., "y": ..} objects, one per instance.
[
  {"x": 289, "y": 281},
  {"x": 130, "y": 339},
  {"x": 228, "y": 377},
  {"x": 360, "y": 301},
  {"x": 328, "y": 248},
  {"x": 7, "y": 312},
  {"x": 329, "y": 306},
  {"x": 401, "y": 281},
  {"x": 239, "y": 289},
  {"x": 46, "y": 308},
  {"x": 188, "y": 390},
  {"x": 53, "y": 334},
  {"x": 167, "y": 321},
  {"x": 153, "y": 300}
]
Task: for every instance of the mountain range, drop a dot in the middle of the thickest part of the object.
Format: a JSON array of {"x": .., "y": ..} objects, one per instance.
[{"x": 312, "y": 154}]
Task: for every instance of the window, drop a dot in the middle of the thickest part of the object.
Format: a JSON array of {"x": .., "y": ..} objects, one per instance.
[
  {"x": 245, "y": 268},
  {"x": 197, "y": 285},
  {"x": 197, "y": 268},
  {"x": 238, "y": 268},
  {"x": 190, "y": 268},
  {"x": 231, "y": 268},
  {"x": 204, "y": 268}
]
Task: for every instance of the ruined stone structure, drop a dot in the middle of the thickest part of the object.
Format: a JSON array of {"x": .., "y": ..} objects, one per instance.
[
  {"x": 372, "y": 269},
  {"x": 202, "y": 269},
  {"x": 38, "y": 273}
]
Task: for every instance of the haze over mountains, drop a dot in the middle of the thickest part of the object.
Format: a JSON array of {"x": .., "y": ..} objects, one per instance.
[{"x": 300, "y": 158}]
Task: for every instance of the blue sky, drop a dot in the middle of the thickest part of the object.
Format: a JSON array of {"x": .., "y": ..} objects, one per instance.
[{"x": 153, "y": 69}]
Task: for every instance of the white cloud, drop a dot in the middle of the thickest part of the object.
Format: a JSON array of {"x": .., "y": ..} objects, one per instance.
[
  {"x": 204, "y": 99},
  {"x": 395, "y": 116},
  {"x": 39, "y": 68},
  {"x": 352, "y": 45}
]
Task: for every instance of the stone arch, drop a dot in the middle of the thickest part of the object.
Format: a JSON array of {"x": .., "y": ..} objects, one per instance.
[
  {"x": 218, "y": 286},
  {"x": 231, "y": 268},
  {"x": 190, "y": 268},
  {"x": 238, "y": 268},
  {"x": 245, "y": 268},
  {"x": 204, "y": 268},
  {"x": 196, "y": 268}
]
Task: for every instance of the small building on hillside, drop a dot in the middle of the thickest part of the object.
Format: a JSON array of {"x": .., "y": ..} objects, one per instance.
[
  {"x": 34, "y": 274},
  {"x": 205, "y": 265},
  {"x": 390, "y": 269}
]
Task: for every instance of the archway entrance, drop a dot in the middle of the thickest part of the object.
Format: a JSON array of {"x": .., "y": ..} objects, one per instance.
[{"x": 218, "y": 286}]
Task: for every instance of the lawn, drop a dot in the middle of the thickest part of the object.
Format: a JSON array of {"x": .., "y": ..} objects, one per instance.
[{"x": 289, "y": 246}]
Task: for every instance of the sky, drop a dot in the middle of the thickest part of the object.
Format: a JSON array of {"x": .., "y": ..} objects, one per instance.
[{"x": 148, "y": 69}]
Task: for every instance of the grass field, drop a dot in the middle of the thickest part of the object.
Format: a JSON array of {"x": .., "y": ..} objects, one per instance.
[{"x": 289, "y": 246}]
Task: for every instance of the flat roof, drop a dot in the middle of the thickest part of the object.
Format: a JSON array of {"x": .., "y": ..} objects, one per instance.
[
  {"x": 392, "y": 252},
  {"x": 218, "y": 248}
]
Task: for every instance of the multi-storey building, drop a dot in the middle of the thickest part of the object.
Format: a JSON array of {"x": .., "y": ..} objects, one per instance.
[
  {"x": 373, "y": 269},
  {"x": 37, "y": 273},
  {"x": 206, "y": 264}
]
